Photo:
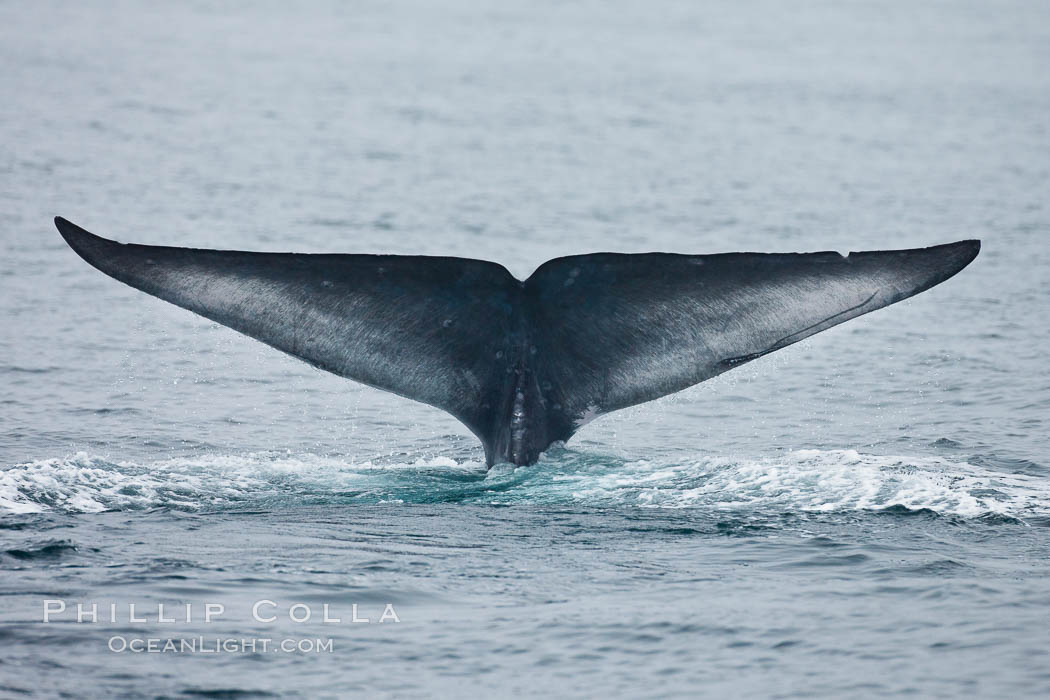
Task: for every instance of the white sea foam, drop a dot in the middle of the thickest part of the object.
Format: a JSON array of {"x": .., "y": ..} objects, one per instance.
[
  {"x": 803, "y": 480},
  {"x": 816, "y": 480},
  {"x": 86, "y": 484}
]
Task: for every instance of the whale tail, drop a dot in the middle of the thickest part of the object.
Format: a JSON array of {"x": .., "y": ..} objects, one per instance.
[{"x": 525, "y": 364}]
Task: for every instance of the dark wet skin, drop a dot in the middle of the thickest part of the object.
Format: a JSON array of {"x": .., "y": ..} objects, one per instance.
[{"x": 525, "y": 364}]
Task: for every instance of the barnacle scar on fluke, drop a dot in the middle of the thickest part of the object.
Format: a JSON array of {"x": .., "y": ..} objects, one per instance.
[{"x": 525, "y": 364}]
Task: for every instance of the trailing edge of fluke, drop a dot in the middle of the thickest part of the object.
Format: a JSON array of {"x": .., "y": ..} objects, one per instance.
[{"x": 524, "y": 364}]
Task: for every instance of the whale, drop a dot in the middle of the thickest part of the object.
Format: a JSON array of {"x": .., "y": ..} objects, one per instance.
[{"x": 524, "y": 364}]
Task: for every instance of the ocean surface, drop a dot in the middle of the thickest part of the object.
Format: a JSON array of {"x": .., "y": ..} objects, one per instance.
[{"x": 863, "y": 514}]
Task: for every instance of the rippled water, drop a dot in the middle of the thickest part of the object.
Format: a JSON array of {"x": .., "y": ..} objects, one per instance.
[{"x": 863, "y": 514}]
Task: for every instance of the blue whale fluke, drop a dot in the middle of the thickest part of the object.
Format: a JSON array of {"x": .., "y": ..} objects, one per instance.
[{"x": 525, "y": 364}]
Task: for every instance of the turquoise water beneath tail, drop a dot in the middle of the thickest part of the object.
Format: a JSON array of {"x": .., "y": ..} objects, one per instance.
[{"x": 863, "y": 514}]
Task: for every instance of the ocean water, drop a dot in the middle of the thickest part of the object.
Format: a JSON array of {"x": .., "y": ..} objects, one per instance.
[{"x": 864, "y": 514}]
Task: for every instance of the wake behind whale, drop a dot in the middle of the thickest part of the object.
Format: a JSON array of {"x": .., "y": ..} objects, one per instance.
[{"x": 525, "y": 364}]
